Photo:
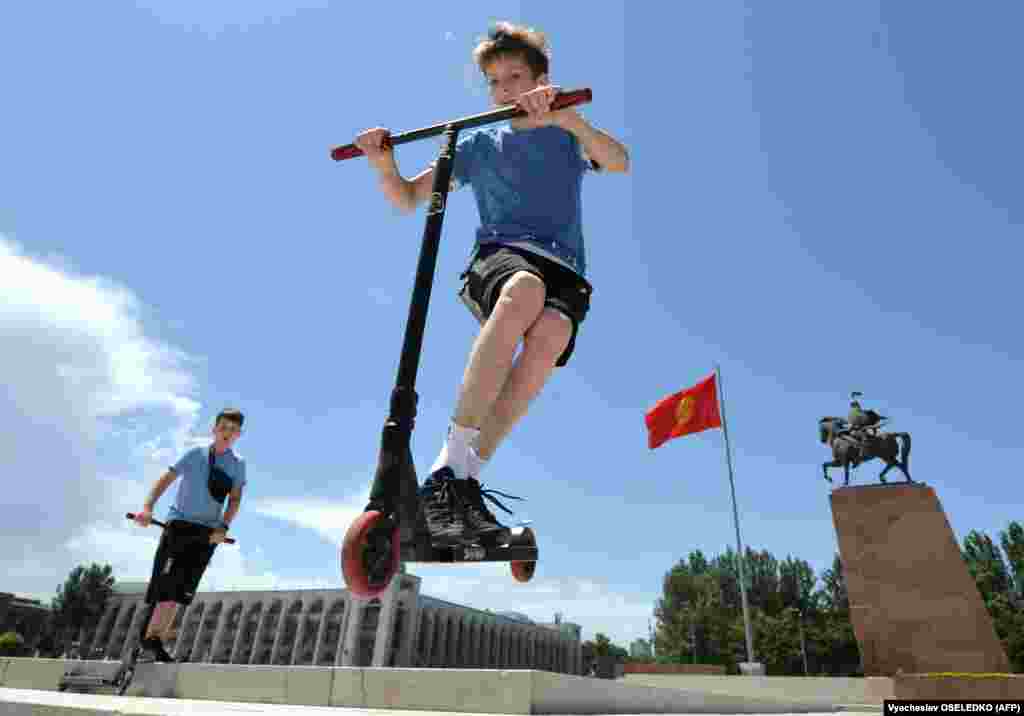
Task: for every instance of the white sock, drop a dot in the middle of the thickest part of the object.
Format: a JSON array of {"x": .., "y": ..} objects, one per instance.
[
  {"x": 455, "y": 451},
  {"x": 474, "y": 464}
]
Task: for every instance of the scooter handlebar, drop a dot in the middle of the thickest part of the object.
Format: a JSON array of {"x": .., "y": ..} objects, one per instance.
[
  {"x": 158, "y": 523},
  {"x": 561, "y": 101}
]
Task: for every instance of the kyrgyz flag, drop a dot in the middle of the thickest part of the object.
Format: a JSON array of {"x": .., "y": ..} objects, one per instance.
[{"x": 688, "y": 411}]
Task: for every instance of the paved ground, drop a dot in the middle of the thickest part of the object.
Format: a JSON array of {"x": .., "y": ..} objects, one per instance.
[{"x": 45, "y": 703}]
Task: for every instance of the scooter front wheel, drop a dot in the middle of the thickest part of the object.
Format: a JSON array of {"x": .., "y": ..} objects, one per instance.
[{"x": 370, "y": 554}]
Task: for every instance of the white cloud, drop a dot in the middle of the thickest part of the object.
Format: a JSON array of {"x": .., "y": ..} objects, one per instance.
[{"x": 92, "y": 410}]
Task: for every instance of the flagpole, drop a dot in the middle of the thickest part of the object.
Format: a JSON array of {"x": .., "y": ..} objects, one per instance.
[{"x": 736, "y": 518}]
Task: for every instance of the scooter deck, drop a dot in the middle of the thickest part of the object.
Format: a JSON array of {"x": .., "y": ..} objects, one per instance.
[{"x": 522, "y": 547}]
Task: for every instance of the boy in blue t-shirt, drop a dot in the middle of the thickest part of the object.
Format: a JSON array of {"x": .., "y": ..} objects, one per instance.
[
  {"x": 526, "y": 278},
  {"x": 195, "y": 525}
]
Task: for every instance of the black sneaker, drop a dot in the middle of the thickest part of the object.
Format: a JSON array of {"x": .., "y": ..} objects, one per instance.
[
  {"x": 155, "y": 648},
  {"x": 479, "y": 519},
  {"x": 442, "y": 508}
]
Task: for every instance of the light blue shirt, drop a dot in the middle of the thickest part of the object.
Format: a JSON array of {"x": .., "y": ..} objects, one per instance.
[
  {"x": 528, "y": 185},
  {"x": 193, "y": 502}
]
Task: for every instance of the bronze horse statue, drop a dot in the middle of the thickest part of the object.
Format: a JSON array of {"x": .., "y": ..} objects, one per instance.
[{"x": 850, "y": 448}]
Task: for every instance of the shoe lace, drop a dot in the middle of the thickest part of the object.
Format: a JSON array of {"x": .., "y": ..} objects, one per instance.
[
  {"x": 445, "y": 499},
  {"x": 477, "y": 495}
]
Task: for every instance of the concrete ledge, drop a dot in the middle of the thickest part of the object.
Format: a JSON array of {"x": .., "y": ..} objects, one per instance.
[
  {"x": 25, "y": 673},
  {"x": 561, "y": 694},
  {"x": 481, "y": 691},
  {"x": 473, "y": 690},
  {"x": 945, "y": 687},
  {"x": 834, "y": 689}
]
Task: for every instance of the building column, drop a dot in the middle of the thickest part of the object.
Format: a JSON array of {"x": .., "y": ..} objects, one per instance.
[
  {"x": 429, "y": 631},
  {"x": 257, "y": 640},
  {"x": 444, "y": 639},
  {"x": 134, "y": 627},
  {"x": 348, "y": 644},
  {"x": 321, "y": 631},
  {"x": 300, "y": 629},
  {"x": 386, "y": 622},
  {"x": 410, "y": 596},
  {"x": 200, "y": 628},
  {"x": 101, "y": 635},
  {"x": 243, "y": 622},
  {"x": 223, "y": 620},
  {"x": 282, "y": 623}
]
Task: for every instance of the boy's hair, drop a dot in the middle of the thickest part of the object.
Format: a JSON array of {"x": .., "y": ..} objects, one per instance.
[
  {"x": 506, "y": 39},
  {"x": 232, "y": 414}
]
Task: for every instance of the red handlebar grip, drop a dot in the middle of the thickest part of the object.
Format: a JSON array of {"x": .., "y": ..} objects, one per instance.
[
  {"x": 349, "y": 151},
  {"x": 568, "y": 99}
]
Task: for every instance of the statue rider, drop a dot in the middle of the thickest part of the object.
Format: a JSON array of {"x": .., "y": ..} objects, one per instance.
[
  {"x": 861, "y": 424},
  {"x": 857, "y": 418}
]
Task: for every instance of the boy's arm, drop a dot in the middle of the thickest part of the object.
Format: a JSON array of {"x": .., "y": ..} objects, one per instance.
[
  {"x": 600, "y": 146},
  {"x": 234, "y": 502},
  {"x": 165, "y": 481},
  {"x": 406, "y": 194}
]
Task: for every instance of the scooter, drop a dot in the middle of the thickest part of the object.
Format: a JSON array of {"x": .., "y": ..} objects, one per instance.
[
  {"x": 78, "y": 679},
  {"x": 392, "y": 530}
]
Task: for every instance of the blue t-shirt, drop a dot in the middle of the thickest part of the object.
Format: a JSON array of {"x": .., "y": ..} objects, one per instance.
[
  {"x": 528, "y": 185},
  {"x": 194, "y": 503}
]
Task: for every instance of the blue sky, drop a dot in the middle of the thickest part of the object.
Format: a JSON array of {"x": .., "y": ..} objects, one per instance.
[{"x": 823, "y": 199}]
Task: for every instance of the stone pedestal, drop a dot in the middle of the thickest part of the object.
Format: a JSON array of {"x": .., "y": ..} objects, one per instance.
[{"x": 913, "y": 604}]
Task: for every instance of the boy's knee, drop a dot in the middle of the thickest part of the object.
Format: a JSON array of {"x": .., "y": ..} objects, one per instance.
[
  {"x": 550, "y": 335},
  {"x": 522, "y": 296}
]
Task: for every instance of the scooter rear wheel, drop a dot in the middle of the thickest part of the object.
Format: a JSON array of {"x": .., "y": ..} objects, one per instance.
[
  {"x": 369, "y": 555},
  {"x": 523, "y": 571}
]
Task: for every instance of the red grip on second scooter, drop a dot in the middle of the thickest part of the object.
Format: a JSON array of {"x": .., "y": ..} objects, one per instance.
[{"x": 351, "y": 151}]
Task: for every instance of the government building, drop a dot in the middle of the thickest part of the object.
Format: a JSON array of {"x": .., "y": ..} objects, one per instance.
[{"x": 328, "y": 627}]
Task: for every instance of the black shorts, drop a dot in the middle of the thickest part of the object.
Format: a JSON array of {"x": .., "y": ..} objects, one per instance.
[
  {"x": 493, "y": 264},
  {"x": 181, "y": 559}
]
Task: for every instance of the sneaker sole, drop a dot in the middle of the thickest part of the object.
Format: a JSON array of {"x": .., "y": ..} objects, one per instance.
[
  {"x": 452, "y": 541},
  {"x": 497, "y": 538}
]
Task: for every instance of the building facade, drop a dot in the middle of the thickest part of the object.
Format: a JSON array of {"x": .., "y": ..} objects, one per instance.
[
  {"x": 26, "y": 617},
  {"x": 329, "y": 628},
  {"x": 640, "y": 649}
]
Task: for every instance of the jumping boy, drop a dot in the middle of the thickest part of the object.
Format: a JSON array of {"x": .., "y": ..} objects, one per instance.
[
  {"x": 195, "y": 525},
  {"x": 526, "y": 276}
]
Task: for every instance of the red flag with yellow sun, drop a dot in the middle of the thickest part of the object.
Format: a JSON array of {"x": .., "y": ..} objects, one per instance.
[{"x": 689, "y": 411}]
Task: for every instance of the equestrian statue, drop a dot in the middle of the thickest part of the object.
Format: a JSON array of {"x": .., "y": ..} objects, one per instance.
[{"x": 858, "y": 438}]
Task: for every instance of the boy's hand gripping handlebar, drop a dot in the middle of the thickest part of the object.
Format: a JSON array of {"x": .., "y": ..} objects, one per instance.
[
  {"x": 561, "y": 101},
  {"x": 158, "y": 523}
]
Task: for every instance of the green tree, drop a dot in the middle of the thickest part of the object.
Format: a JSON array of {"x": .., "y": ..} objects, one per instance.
[
  {"x": 11, "y": 644},
  {"x": 1012, "y": 539},
  {"x": 831, "y": 633},
  {"x": 796, "y": 593},
  {"x": 81, "y": 600},
  {"x": 602, "y": 644},
  {"x": 833, "y": 594},
  {"x": 726, "y": 568},
  {"x": 690, "y": 612},
  {"x": 763, "y": 578},
  {"x": 986, "y": 565},
  {"x": 778, "y": 644}
]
